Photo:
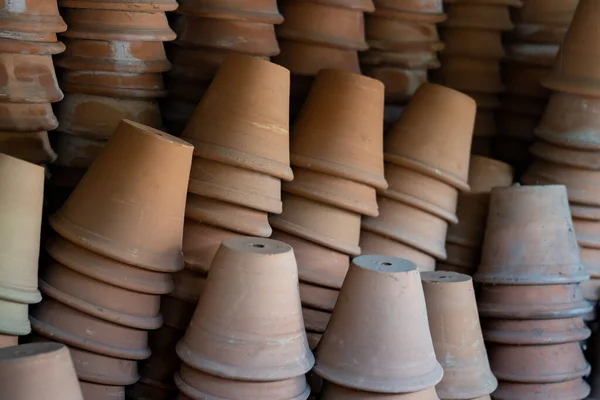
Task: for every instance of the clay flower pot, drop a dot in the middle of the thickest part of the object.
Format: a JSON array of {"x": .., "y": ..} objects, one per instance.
[
  {"x": 576, "y": 69},
  {"x": 189, "y": 286},
  {"x": 361, "y": 330},
  {"x": 350, "y": 108},
  {"x": 115, "y": 228},
  {"x": 135, "y": 5},
  {"x": 158, "y": 370},
  {"x": 475, "y": 43},
  {"x": 462, "y": 256},
  {"x": 8, "y": 341},
  {"x": 587, "y": 233},
  {"x": 532, "y": 301},
  {"x": 316, "y": 264},
  {"x": 478, "y": 16},
  {"x": 34, "y": 147},
  {"x": 311, "y": 23},
  {"x": 401, "y": 35},
  {"x": 538, "y": 364},
  {"x": 591, "y": 259},
  {"x": 331, "y": 391},
  {"x": 362, "y": 5},
  {"x": 535, "y": 332},
  {"x": 24, "y": 117},
  {"x": 31, "y": 16},
  {"x": 232, "y": 125},
  {"x": 243, "y": 315},
  {"x": 28, "y": 78},
  {"x": 227, "y": 215},
  {"x": 412, "y": 60},
  {"x": 309, "y": 58},
  {"x": 92, "y": 391},
  {"x": 575, "y": 158},
  {"x": 231, "y": 184},
  {"x": 457, "y": 337},
  {"x": 573, "y": 389},
  {"x": 400, "y": 84},
  {"x": 27, "y": 364},
  {"x": 591, "y": 290},
  {"x": 470, "y": 74},
  {"x": 199, "y": 65},
  {"x": 114, "y": 84},
  {"x": 315, "y": 320},
  {"x": 417, "y": 140},
  {"x": 13, "y": 317},
  {"x": 546, "y": 12},
  {"x": 320, "y": 223},
  {"x": 99, "y": 116},
  {"x": 431, "y": 12},
  {"x": 264, "y": 11},
  {"x": 251, "y": 38},
  {"x": 76, "y": 151},
  {"x": 530, "y": 238},
  {"x": 117, "y": 25},
  {"x": 584, "y": 212},
  {"x": 318, "y": 297},
  {"x": 197, "y": 384},
  {"x": 21, "y": 47},
  {"x": 373, "y": 243}
]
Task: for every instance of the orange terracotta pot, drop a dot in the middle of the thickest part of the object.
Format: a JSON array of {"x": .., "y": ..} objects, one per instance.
[
  {"x": 115, "y": 83},
  {"x": 574, "y": 389},
  {"x": 309, "y": 58},
  {"x": 373, "y": 243},
  {"x": 591, "y": 290},
  {"x": 318, "y": 297},
  {"x": 462, "y": 256},
  {"x": 575, "y": 158},
  {"x": 30, "y": 17},
  {"x": 587, "y": 233},
  {"x": 199, "y": 65},
  {"x": 371, "y": 282},
  {"x": 251, "y": 38},
  {"x": 416, "y": 142},
  {"x": 411, "y": 60},
  {"x": 242, "y": 131},
  {"x": 538, "y": 33},
  {"x": 14, "y": 320},
  {"x": 158, "y": 370},
  {"x": 266, "y": 307},
  {"x": 23, "y": 365},
  {"x": 538, "y": 364},
  {"x": 146, "y": 391},
  {"x": 315, "y": 320},
  {"x": 478, "y": 16},
  {"x": 8, "y": 341},
  {"x": 542, "y": 55},
  {"x": 363, "y": 5},
  {"x": 353, "y": 147},
  {"x": 117, "y": 25},
  {"x": 231, "y": 184},
  {"x": 532, "y": 301},
  {"x": 401, "y": 35},
  {"x": 28, "y": 78},
  {"x": 584, "y": 212},
  {"x": 535, "y": 332},
  {"x": 332, "y": 391},
  {"x": 41, "y": 37},
  {"x": 470, "y": 75},
  {"x": 313, "y": 340},
  {"x": 24, "y": 117},
  {"x": 591, "y": 259},
  {"x": 93, "y": 391},
  {"x": 554, "y": 12},
  {"x": 400, "y": 84},
  {"x": 320, "y": 223},
  {"x": 473, "y": 43},
  {"x": 524, "y": 80},
  {"x": 429, "y": 8},
  {"x": 189, "y": 286},
  {"x": 177, "y": 313},
  {"x": 197, "y": 384},
  {"x": 311, "y": 23},
  {"x": 135, "y": 5},
  {"x": 76, "y": 151},
  {"x": 264, "y": 11},
  {"x": 520, "y": 249}
]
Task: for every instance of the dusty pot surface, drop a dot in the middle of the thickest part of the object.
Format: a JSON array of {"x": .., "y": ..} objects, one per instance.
[
  {"x": 591, "y": 259},
  {"x": 401, "y": 35},
  {"x": 360, "y": 349},
  {"x": 469, "y": 42},
  {"x": 193, "y": 64},
  {"x": 309, "y": 58},
  {"x": 76, "y": 151},
  {"x": 197, "y": 384},
  {"x": 8, "y": 341},
  {"x": 374, "y": 243},
  {"x": 407, "y": 10},
  {"x": 591, "y": 289},
  {"x": 400, "y": 84},
  {"x": 318, "y": 297},
  {"x": 23, "y": 368},
  {"x": 13, "y": 318},
  {"x": 315, "y": 320},
  {"x": 457, "y": 337},
  {"x": 331, "y": 391},
  {"x": 532, "y": 301},
  {"x": 257, "y": 323},
  {"x": 422, "y": 142},
  {"x": 534, "y": 332},
  {"x": 470, "y": 74},
  {"x": 28, "y": 78},
  {"x": 584, "y": 212},
  {"x": 350, "y": 108},
  {"x": 131, "y": 5},
  {"x": 255, "y": 11},
  {"x": 556, "y": 154},
  {"x": 232, "y": 125},
  {"x": 573, "y": 389},
  {"x": 114, "y": 84},
  {"x": 587, "y": 233},
  {"x": 24, "y": 117},
  {"x": 478, "y": 16},
  {"x": 530, "y": 239},
  {"x": 189, "y": 286},
  {"x": 538, "y": 364},
  {"x": 92, "y": 391},
  {"x": 31, "y": 20},
  {"x": 417, "y": 59},
  {"x": 116, "y": 228}
]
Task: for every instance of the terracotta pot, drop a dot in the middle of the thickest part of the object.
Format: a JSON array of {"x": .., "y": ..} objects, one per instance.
[
  {"x": 591, "y": 259},
  {"x": 332, "y": 391},
  {"x": 400, "y": 84},
  {"x": 315, "y": 320},
  {"x": 575, "y": 158},
  {"x": 412, "y": 60},
  {"x": 158, "y": 370},
  {"x": 311, "y": 23},
  {"x": 571, "y": 121},
  {"x": 316, "y": 264},
  {"x": 545, "y": 12},
  {"x": 530, "y": 239},
  {"x": 117, "y": 25},
  {"x": 313, "y": 340},
  {"x": 338, "y": 192},
  {"x": 584, "y": 212},
  {"x": 264, "y": 11},
  {"x": 259, "y": 311},
  {"x": 587, "y": 233},
  {"x": 411, "y": 140},
  {"x": 309, "y": 58},
  {"x": 430, "y": 8},
  {"x": 535, "y": 332},
  {"x": 409, "y": 225},
  {"x": 23, "y": 365},
  {"x": 39, "y": 37},
  {"x": 473, "y": 43},
  {"x": 532, "y": 301},
  {"x": 251, "y": 38},
  {"x": 478, "y": 16},
  {"x": 186, "y": 91},
  {"x": 524, "y": 80},
  {"x": 152, "y": 242},
  {"x": 25, "y": 117},
  {"x": 76, "y": 151},
  {"x": 363, "y": 5},
  {"x": 177, "y": 313},
  {"x": 114, "y": 84},
  {"x": 231, "y": 184},
  {"x": 189, "y": 286},
  {"x": 13, "y": 317},
  {"x": 320, "y": 223},
  {"x": 353, "y": 147},
  {"x": 462, "y": 256},
  {"x": 148, "y": 392},
  {"x": 469, "y": 74},
  {"x": 591, "y": 290},
  {"x": 407, "y": 11},
  {"x": 574, "y": 389},
  {"x": 242, "y": 131},
  {"x": 8, "y": 341},
  {"x": 28, "y": 78},
  {"x": 135, "y": 5},
  {"x": 110, "y": 303},
  {"x": 550, "y": 363},
  {"x": 227, "y": 215},
  {"x": 197, "y": 384},
  {"x": 199, "y": 65},
  {"x": 534, "y": 54},
  {"x": 92, "y": 391},
  {"x": 577, "y": 70},
  {"x": 401, "y": 34},
  {"x": 373, "y": 243},
  {"x": 30, "y": 16},
  {"x": 318, "y": 297},
  {"x": 457, "y": 337}
]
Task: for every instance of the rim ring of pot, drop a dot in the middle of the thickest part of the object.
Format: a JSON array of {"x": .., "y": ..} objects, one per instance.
[
  {"x": 422, "y": 205},
  {"x": 425, "y": 169}
]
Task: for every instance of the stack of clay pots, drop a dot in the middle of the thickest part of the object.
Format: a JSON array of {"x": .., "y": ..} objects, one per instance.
[
  {"x": 531, "y": 48},
  {"x": 246, "y": 338},
  {"x": 471, "y": 59},
  {"x": 21, "y": 198},
  {"x": 207, "y": 31},
  {"x": 427, "y": 164},
  {"x": 530, "y": 300},
  {"x": 360, "y": 355},
  {"x": 337, "y": 159},
  {"x": 320, "y": 34},
  {"x": 464, "y": 240},
  {"x": 404, "y": 42},
  {"x": 118, "y": 241},
  {"x": 29, "y": 84},
  {"x": 567, "y": 151}
]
